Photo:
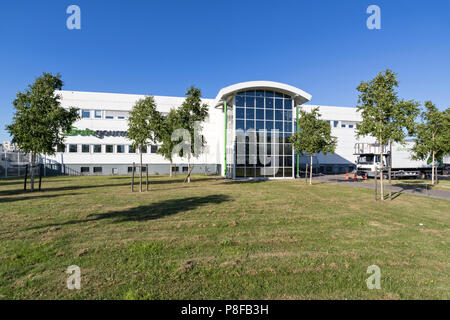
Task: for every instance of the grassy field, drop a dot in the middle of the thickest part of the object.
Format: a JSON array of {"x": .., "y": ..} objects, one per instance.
[{"x": 217, "y": 239}]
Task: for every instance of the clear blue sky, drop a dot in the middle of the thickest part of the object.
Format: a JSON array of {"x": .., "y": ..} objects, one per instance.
[{"x": 162, "y": 47}]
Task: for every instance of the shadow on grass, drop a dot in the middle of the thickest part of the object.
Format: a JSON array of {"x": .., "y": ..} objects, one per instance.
[
  {"x": 244, "y": 181},
  {"x": 73, "y": 186},
  {"x": 150, "y": 212},
  {"x": 35, "y": 197},
  {"x": 153, "y": 179},
  {"x": 65, "y": 188}
]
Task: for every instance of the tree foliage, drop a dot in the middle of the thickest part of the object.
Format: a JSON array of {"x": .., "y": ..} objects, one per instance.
[
  {"x": 164, "y": 136},
  {"x": 143, "y": 122},
  {"x": 384, "y": 115},
  {"x": 191, "y": 113},
  {"x": 39, "y": 119},
  {"x": 190, "y": 116},
  {"x": 313, "y": 135},
  {"x": 433, "y": 135}
]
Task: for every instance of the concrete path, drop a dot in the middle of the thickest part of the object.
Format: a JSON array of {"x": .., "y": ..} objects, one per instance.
[{"x": 420, "y": 190}]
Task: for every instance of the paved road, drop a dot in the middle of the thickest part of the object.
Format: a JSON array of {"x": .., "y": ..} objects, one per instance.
[{"x": 421, "y": 190}]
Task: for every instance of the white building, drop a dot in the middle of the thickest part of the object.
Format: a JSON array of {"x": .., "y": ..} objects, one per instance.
[{"x": 97, "y": 144}]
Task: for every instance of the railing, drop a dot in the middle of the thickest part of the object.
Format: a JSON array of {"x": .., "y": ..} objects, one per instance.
[
  {"x": 14, "y": 164},
  {"x": 370, "y": 148}
]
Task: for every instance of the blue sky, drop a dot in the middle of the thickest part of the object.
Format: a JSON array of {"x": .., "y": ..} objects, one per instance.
[{"x": 162, "y": 47}]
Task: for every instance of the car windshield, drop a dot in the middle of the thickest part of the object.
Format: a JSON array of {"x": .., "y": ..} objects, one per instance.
[{"x": 365, "y": 160}]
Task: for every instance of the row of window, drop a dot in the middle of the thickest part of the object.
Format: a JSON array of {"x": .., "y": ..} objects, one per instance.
[
  {"x": 335, "y": 124},
  {"x": 261, "y": 103},
  {"x": 263, "y": 93},
  {"x": 99, "y": 170},
  {"x": 105, "y": 148},
  {"x": 251, "y": 172},
  {"x": 280, "y": 126},
  {"x": 103, "y": 114},
  {"x": 279, "y": 161},
  {"x": 261, "y": 114}
]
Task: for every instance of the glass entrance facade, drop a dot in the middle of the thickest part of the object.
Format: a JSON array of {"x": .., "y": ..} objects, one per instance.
[{"x": 259, "y": 124}]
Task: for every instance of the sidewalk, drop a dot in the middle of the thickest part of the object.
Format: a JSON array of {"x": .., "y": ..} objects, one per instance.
[{"x": 420, "y": 190}]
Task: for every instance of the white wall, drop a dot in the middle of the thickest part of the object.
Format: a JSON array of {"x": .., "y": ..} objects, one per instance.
[{"x": 212, "y": 129}]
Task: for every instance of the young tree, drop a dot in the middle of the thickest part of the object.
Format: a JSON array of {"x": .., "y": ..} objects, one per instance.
[
  {"x": 313, "y": 136},
  {"x": 433, "y": 136},
  {"x": 385, "y": 116},
  {"x": 189, "y": 117},
  {"x": 39, "y": 119},
  {"x": 142, "y": 125},
  {"x": 164, "y": 135}
]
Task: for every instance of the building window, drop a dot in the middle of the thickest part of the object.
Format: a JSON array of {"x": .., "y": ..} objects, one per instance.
[
  {"x": 85, "y": 169},
  {"x": 175, "y": 169},
  {"x": 97, "y": 148},
  {"x": 120, "y": 148},
  {"x": 131, "y": 149},
  {"x": 343, "y": 125},
  {"x": 98, "y": 169},
  {"x": 130, "y": 169},
  {"x": 86, "y": 114},
  {"x": 350, "y": 126},
  {"x": 109, "y": 148},
  {"x": 185, "y": 169},
  {"x": 261, "y": 110},
  {"x": 61, "y": 148},
  {"x": 98, "y": 114},
  {"x": 85, "y": 148},
  {"x": 153, "y": 149},
  {"x": 109, "y": 117},
  {"x": 335, "y": 123},
  {"x": 73, "y": 148},
  {"x": 144, "y": 149}
]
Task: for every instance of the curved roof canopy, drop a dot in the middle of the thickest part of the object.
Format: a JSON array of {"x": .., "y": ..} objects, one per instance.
[{"x": 227, "y": 93}]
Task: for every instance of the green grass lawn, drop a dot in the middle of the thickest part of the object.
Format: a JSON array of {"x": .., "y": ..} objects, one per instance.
[{"x": 218, "y": 239}]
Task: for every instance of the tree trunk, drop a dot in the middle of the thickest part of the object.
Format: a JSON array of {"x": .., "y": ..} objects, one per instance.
[
  {"x": 189, "y": 170},
  {"x": 311, "y": 170},
  {"x": 432, "y": 168},
  {"x": 140, "y": 170},
  {"x": 170, "y": 169},
  {"x": 381, "y": 170},
  {"x": 32, "y": 160},
  {"x": 390, "y": 170}
]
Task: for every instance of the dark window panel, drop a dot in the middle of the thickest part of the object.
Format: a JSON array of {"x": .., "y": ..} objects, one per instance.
[
  {"x": 278, "y": 103},
  {"x": 239, "y": 101},
  {"x": 250, "y": 113},
  {"x": 259, "y": 102},
  {"x": 288, "y": 104},
  {"x": 240, "y": 112},
  {"x": 279, "y": 115},
  {"x": 249, "y": 101},
  {"x": 259, "y": 114}
]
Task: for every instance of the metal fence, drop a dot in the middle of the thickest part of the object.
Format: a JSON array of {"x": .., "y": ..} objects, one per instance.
[{"x": 15, "y": 164}]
